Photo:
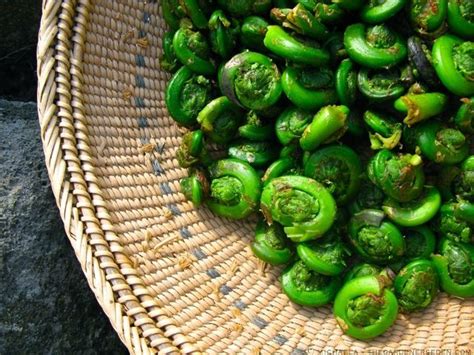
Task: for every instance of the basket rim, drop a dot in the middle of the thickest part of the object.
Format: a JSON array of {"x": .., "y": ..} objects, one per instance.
[{"x": 135, "y": 315}]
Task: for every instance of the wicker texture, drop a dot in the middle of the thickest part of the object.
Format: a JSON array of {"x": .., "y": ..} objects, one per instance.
[{"x": 170, "y": 278}]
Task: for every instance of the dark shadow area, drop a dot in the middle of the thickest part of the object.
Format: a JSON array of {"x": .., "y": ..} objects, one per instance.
[{"x": 19, "y": 21}]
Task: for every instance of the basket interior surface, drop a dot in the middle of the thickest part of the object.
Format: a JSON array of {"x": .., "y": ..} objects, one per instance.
[{"x": 196, "y": 268}]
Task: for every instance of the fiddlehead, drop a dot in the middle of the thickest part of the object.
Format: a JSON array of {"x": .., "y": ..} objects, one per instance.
[
  {"x": 308, "y": 288},
  {"x": 453, "y": 61},
  {"x": 300, "y": 20},
  {"x": 455, "y": 266},
  {"x": 365, "y": 307},
  {"x": 338, "y": 168},
  {"x": 192, "y": 150},
  {"x": 257, "y": 154},
  {"x": 302, "y": 205},
  {"x": 400, "y": 176},
  {"x": 280, "y": 42},
  {"x": 385, "y": 132},
  {"x": 438, "y": 143},
  {"x": 415, "y": 212},
  {"x": 375, "y": 46},
  {"x": 195, "y": 187},
  {"x": 220, "y": 120},
  {"x": 271, "y": 244},
  {"x": 186, "y": 94},
  {"x": 325, "y": 258},
  {"x": 452, "y": 226},
  {"x": 416, "y": 285},
  {"x": 374, "y": 238},
  {"x": 250, "y": 80},
  {"x": 309, "y": 89},
  {"x": 421, "y": 107},
  {"x": 328, "y": 125},
  {"x": 291, "y": 124},
  {"x": 192, "y": 49},
  {"x": 234, "y": 189},
  {"x": 223, "y": 34}
]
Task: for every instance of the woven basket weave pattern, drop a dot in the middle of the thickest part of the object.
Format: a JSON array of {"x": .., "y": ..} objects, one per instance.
[{"x": 171, "y": 278}]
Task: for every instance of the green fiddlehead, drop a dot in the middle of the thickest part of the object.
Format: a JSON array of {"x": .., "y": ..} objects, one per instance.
[
  {"x": 416, "y": 285},
  {"x": 186, "y": 94},
  {"x": 374, "y": 46},
  {"x": 291, "y": 124},
  {"x": 308, "y": 288},
  {"x": 455, "y": 266},
  {"x": 328, "y": 125},
  {"x": 271, "y": 244},
  {"x": 400, "y": 176},
  {"x": 223, "y": 34},
  {"x": 365, "y": 307},
  {"x": 325, "y": 258},
  {"x": 220, "y": 120},
  {"x": 338, "y": 168},
  {"x": 452, "y": 226},
  {"x": 257, "y": 154},
  {"x": 385, "y": 132},
  {"x": 374, "y": 238},
  {"x": 234, "y": 189},
  {"x": 250, "y": 80},
  {"x": 302, "y": 205}
]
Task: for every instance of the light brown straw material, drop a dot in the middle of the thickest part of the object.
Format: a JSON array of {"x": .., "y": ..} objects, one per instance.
[{"x": 170, "y": 278}]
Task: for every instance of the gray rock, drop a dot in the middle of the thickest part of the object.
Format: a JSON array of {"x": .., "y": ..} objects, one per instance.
[{"x": 45, "y": 303}]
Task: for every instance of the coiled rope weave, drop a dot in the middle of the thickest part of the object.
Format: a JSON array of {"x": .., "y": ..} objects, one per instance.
[{"x": 170, "y": 278}]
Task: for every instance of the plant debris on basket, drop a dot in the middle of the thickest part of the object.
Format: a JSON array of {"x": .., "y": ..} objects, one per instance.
[{"x": 347, "y": 126}]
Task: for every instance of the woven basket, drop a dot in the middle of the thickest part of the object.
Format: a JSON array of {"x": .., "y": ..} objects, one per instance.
[{"x": 170, "y": 277}]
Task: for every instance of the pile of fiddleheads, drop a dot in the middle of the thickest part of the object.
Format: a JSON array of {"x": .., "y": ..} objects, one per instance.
[{"x": 346, "y": 125}]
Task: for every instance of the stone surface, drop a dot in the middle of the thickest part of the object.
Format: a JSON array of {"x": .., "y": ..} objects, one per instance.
[{"x": 45, "y": 303}]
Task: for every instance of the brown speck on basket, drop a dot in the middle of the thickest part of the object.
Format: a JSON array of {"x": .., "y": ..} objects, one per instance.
[
  {"x": 256, "y": 350},
  {"x": 147, "y": 148},
  {"x": 143, "y": 42},
  {"x": 262, "y": 267},
  {"x": 300, "y": 331},
  {"x": 236, "y": 312},
  {"x": 185, "y": 260},
  {"x": 127, "y": 36},
  {"x": 147, "y": 240},
  {"x": 127, "y": 94},
  {"x": 134, "y": 262},
  {"x": 216, "y": 291},
  {"x": 237, "y": 327},
  {"x": 233, "y": 267},
  {"x": 167, "y": 213}
]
